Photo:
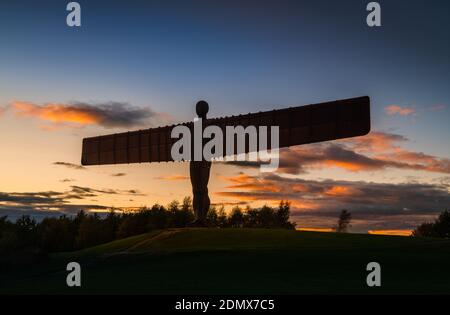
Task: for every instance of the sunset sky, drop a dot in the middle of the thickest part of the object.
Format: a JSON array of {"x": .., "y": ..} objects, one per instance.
[{"x": 143, "y": 65}]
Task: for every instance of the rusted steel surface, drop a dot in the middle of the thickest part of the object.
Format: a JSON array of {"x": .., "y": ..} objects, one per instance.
[{"x": 297, "y": 125}]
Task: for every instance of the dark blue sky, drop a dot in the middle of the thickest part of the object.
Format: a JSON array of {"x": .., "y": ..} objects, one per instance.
[{"x": 239, "y": 55}]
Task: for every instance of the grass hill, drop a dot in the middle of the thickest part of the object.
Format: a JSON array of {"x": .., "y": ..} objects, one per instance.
[{"x": 243, "y": 261}]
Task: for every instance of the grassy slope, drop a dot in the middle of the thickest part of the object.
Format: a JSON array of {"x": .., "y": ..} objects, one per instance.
[{"x": 247, "y": 261}]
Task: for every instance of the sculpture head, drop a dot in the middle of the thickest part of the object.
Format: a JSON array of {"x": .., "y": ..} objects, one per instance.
[{"x": 202, "y": 109}]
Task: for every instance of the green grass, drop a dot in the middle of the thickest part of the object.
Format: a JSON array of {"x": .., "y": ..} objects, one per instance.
[{"x": 244, "y": 261}]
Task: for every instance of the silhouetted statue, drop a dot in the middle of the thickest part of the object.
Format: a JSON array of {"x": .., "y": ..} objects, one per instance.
[
  {"x": 297, "y": 126},
  {"x": 199, "y": 172}
]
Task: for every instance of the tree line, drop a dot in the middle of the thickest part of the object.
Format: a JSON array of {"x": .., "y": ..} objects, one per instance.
[{"x": 69, "y": 233}]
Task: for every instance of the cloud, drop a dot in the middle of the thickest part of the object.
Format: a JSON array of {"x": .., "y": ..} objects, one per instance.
[
  {"x": 318, "y": 203},
  {"x": 173, "y": 177},
  {"x": 237, "y": 203},
  {"x": 375, "y": 141},
  {"x": 50, "y": 202},
  {"x": 326, "y": 195},
  {"x": 70, "y": 165},
  {"x": 83, "y": 192},
  {"x": 67, "y": 180},
  {"x": 118, "y": 174},
  {"x": 376, "y": 206},
  {"x": 391, "y": 232},
  {"x": 108, "y": 115},
  {"x": 399, "y": 110},
  {"x": 36, "y": 198},
  {"x": 375, "y": 152}
]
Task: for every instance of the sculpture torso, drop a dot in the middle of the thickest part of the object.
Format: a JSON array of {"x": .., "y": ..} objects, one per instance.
[{"x": 199, "y": 173}]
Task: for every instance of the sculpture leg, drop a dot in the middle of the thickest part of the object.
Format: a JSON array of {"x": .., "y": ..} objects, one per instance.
[
  {"x": 199, "y": 172},
  {"x": 205, "y": 205}
]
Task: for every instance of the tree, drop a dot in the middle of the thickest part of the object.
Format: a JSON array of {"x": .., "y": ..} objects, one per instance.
[
  {"x": 130, "y": 225},
  {"x": 344, "y": 222},
  {"x": 251, "y": 219},
  {"x": 442, "y": 225},
  {"x": 266, "y": 217},
  {"x": 157, "y": 218},
  {"x": 57, "y": 234},
  {"x": 26, "y": 228},
  {"x": 236, "y": 219},
  {"x": 425, "y": 230},
  {"x": 182, "y": 214},
  {"x": 282, "y": 216},
  {"x": 222, "y": 219},
  {"x": 9, "y": 240},
  {"x": 439, "y": 228},
  {"x": 90, "y": 232},
  {"x": 211, "y": 217},
  {"x": 5, "y": 225}
]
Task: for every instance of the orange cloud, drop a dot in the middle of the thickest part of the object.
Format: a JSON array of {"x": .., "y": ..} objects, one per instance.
[
  {"x": 391, "y": 232},
  {"x": 241, "y": 196},
  {"x": 55, "y": 113},
  {"x": 340, "y": 191},
  {"x": 375, "y": 142},
  {"x": 244, "y": 181},
  {"x": 377, "y": 151},
  {"x": 416, "y": 161},
  {"x": 323, "y": 230},
  {"x": 301, "y": 204},
  {"x": 398, "y": 110},
  {"x": 329, "y": 195},
  {"x": 347, "y": 165},
  {"x": 109, "y": 115},
  {"x": 382, "y": 208}
]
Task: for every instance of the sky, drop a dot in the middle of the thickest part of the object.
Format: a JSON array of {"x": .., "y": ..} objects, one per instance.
[{"x": 144, "y": 65}]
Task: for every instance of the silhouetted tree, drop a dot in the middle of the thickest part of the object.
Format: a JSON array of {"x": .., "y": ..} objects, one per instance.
[
  {"x": 5, "y": 225},
  {"x": 26, "y": 231},
  {"x": 90, "y": 232},
  {"x": 222, "y": 220},
  {"x": 129, "y": 226},
  {"x": 282, "y": 216},
  {"x": 266, "y": 217},
  {"x": 211, "y": 216},
  {"x": 8, "y": 236},
  {"x": 111, "y": 225},
  {"x": 181, "y": 215},
  {"x": 344, "y": 222},
  {"x": 57, "y": 234},
  {"x": 439, "y": 228},
  {"x": 158, "y": 218},
  {"x": 236, "y": 219},
  {"x": 134, "y": 223},
  {"x": 425, "y": 230},
  {"x": 251, "y": 218}
]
